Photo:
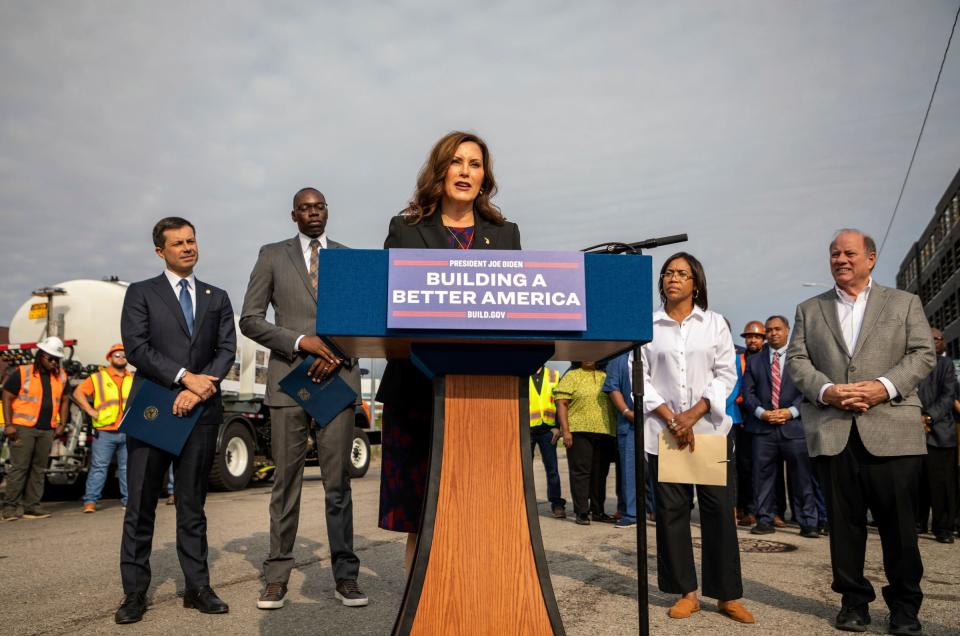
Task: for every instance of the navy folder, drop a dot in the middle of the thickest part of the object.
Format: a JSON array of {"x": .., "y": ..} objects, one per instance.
[
  {"x": 149, "y": 418},
  {"x": 322, "y": 401}
]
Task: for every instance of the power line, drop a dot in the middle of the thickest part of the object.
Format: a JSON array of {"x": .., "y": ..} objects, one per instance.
[{"x": 920, "y": 136}]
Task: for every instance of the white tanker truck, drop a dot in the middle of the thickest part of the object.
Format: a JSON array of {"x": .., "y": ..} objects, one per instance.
[{"x": 86, "y": 315}]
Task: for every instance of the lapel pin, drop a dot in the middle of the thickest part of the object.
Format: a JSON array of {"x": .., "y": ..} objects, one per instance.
[
  {"x": 486, "y": 240},
  {"x": 207, "y": 292}
]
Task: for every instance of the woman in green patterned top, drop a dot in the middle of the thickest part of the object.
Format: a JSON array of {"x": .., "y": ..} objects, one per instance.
[{"x": 589, "y": 425}]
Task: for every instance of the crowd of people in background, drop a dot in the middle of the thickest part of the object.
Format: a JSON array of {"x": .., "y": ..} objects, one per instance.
[{"x": 831, "y": 478}]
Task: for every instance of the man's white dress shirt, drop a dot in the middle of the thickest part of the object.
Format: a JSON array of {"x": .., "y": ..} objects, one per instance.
[{"x": 850, "y": 311}]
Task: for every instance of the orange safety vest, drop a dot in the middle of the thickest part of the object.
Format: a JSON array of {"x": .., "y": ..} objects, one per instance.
[
  {"x": 26, "y": 406},
  {"x": 543, "y": 409},
  {"x": 109, "y": 399},
  {"x": 743, "y": 368}
]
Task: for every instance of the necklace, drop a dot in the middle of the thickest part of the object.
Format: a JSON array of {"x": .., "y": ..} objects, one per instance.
[{"x": 456, "y": 237}]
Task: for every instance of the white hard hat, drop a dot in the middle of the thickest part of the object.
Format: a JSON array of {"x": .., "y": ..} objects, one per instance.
[{"x": 51, "y": 345}]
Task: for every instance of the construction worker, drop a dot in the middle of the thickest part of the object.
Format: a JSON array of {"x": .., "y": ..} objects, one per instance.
[
  {"x": 34, "y": 413},
  {"x": 109, "y": 387},
  {"x": 544, "y": 433}
]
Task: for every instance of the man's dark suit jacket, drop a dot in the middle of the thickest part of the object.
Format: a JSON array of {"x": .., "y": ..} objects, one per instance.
[
  {"x": 937, "y": 392},
  {"x": 758, "y": 391},
  {"x": 401, "y": 380},
  {"x": 158, "y": 344}
]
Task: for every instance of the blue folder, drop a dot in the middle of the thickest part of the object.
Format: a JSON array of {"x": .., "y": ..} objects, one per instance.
[
  {"x": 149, "y": 418},
  {"x": 322, "y": 401}
]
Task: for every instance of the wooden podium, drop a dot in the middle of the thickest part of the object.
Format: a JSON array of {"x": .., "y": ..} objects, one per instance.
[{"x": 479, "y": 566}]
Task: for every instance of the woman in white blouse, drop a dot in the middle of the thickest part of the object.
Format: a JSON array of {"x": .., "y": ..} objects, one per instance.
[{"x": 689, "y": 371}]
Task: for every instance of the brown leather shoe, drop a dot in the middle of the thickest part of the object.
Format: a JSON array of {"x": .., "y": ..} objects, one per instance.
[
  {"x": 736, "y": 611},
  {"x": 778, "y": 522},
  {"x": 683, "y": 608},
  {"x": 747, "y": 520}
]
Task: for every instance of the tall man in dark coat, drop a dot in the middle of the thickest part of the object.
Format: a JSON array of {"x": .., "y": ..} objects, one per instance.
[
  {"x": 857, "y": 353},
  {"x": 938, "y": 487},
  {"x": 772, "y": 404},
  {"x": 178, "y": 332},
  {"x": 285, "y": 276}
]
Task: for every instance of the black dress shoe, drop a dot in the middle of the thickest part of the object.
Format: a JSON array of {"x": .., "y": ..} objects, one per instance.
[
  {"x": 762, "y": 528},
  {"x": 809, "y": 532},
  {"x": 853, "y": 619},
  {"x": 131, "y": 609},
  {"x": 945, "y": 537},
  {"x": 907, "y": 628},
  {"x": 205, "y": 600}
]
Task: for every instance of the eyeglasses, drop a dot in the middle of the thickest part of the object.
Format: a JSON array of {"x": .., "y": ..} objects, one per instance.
[
  {"x": 119, "y": 354},
  {"x": 681, "y": 274},
  {"x": 306, "y": 207}
]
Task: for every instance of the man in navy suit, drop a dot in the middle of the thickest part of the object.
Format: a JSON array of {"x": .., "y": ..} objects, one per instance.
[
  {"x": 773, "y": 417},
  {"x": 179, "y": 333}
]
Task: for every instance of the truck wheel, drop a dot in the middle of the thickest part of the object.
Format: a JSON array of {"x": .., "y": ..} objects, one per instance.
[
  {"x": 233, "y": 464},
  {"x": 359, "y": 454}
]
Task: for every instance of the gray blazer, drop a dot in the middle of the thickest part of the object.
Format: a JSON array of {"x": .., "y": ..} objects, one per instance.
[
  {"x": 280, "y": 278},
  {"x": 894, "y": 342}
]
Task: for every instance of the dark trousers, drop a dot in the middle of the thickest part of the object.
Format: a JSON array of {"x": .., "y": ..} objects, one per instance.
[
  {"x": 853, "y": 481},
  {"x": 676, "y": 570},
  {"x": 542, "y": 436},
  {"x": 743, "y": 455},
  {"x": 770, "y": 452},
  {"x": 289, "y": 428},
  {"x": 146, "y": 477},
  {"x": 29, "y": 456},
  {"x": 938, "y": 489},
  {"x": 588, "y": 460}
]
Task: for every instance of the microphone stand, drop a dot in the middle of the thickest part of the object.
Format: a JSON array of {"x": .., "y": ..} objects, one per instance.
[{"x": 640, "y": 457}]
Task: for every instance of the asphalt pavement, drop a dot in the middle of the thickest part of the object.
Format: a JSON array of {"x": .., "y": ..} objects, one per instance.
[{"x": 60, "y": 575}]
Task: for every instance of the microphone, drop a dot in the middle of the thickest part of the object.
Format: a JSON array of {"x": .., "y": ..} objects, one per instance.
[{"x": 617, "y": 247}]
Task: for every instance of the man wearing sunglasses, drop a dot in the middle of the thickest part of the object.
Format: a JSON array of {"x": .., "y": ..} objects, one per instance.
[{"x": 109, "y": 389}]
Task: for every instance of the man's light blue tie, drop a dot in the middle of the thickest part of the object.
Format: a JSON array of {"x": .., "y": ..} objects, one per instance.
[{"x": 186, "y": 304}]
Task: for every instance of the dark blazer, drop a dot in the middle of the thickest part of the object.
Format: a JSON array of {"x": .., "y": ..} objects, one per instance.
[
  {"x": 156, "y": 339},
  {"x": 401, "y": 380},
  {"x": 280, "y": 278},
  {"x": 758, "y": 391},
  {"x": 937, "y": 392}
]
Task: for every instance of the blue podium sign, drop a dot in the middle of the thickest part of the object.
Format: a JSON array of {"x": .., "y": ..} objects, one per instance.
[{"x": 486, "y": 290}]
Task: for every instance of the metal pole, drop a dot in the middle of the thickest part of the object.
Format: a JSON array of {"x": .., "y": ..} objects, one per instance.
[{"x": 640, "y": 472}]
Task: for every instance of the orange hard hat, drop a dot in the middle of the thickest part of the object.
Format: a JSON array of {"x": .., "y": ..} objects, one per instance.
[
  {"x": 754, "y": 328},
  {"x": 114, "y": 348}
]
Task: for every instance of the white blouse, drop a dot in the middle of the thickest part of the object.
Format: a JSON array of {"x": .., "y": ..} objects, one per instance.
[{"x": 683, "y": 363}]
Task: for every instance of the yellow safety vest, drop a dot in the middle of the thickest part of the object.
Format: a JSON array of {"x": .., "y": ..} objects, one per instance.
[
  {"x": 543, "y": 410},
  {"x": 107, "y": 399}
]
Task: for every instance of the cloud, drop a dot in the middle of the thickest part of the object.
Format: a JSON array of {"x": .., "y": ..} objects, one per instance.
[{"x": 758, "y": 128}]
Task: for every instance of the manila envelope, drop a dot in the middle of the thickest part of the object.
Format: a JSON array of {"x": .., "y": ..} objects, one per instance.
[{"x": 707, "y": 465}]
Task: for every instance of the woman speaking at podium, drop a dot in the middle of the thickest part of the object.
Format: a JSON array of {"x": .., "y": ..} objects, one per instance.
[
  {"x": 689, "y": 371},
  {"x": 450, "y": 209}
]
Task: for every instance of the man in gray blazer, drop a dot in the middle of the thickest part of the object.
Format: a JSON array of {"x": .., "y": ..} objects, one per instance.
[
  {"x": 285, "y": 277},
  {"x": 857, "y": 354}
]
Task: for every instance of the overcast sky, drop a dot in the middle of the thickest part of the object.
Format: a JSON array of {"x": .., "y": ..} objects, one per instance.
[{"x": 756, "y": 127}]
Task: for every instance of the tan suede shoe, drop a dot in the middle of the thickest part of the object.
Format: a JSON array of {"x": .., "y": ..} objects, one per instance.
[
  {"x": 683, "y": 608},
  {"x": 736, "y": 611}
]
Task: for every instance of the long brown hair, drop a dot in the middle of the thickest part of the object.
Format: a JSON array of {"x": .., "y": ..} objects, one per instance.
[{"x": 429, "y": 192}]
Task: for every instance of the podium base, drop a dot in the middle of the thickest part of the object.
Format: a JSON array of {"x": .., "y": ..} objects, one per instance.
[{"x": 479, "y": 566}]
